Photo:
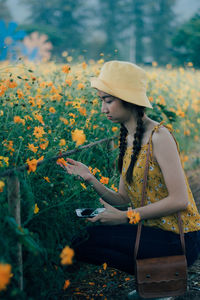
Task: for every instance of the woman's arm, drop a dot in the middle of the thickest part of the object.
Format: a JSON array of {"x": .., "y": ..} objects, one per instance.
[
  {"x": 119, "y": 198},
  {"x": 113, "y": 198},
  {"x": 166, "y": 153}
]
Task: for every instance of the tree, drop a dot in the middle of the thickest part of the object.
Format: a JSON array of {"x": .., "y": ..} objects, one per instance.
[
  {"x": 64, "y": 17},
  {"x": 4, "y": 11},
  {"x": 161, "y": 27},
  {"x": 187, "y": 42}
]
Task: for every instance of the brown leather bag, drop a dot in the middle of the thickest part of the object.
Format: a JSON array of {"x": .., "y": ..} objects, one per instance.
[{"x": 160, "y": 276}]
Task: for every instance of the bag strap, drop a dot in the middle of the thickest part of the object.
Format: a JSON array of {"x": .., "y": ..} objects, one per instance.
[{"x": 142, "y": 204}]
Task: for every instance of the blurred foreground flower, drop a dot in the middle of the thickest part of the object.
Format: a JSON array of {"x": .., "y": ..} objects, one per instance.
[
  {"x": 61, "y": 161},
  {"x": 78, "y": 136},
  {"x": 5, "y": 275},
  {"x": 66, "y": 256}
]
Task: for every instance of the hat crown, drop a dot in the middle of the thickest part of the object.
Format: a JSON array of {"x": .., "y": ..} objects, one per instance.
[{"x": 124, "y": 75}]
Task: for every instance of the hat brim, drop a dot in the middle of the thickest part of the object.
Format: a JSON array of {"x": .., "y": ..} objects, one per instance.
[{"x": 137, "y": 97}]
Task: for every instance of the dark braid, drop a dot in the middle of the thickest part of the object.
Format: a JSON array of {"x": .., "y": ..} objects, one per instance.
[
  {"x": 122, "y": 146},
  {"x": 136, "y": 143}
]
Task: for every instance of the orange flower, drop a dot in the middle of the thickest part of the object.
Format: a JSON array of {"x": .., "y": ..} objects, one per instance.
[
  {"x": 32, "y": 164},
  {"x": 47, "y": 179},
  {"x": 32, "y": 148},
  {"x": 5, "y": 275},
  {"x": 44, "y": 145},
  {"x": 61, "y": 161},
  {"x": 2, "y": 184},
  {"x": 114, "y": 129},
  {"x": 52, "y": 110},
  {"x": 12, "y": 84},
  {"x": 84, "y": 65},
  {"x": 38, "y": 132},
  {"x": 17, "y": 119},
  {"x": 66, "y": 285},
  {"x": 62, "y": 142},
  {"x": 80, "y": 86},
  {"x": 104, "y": 180},
  {"x": 39, "y": 118},
  {"x": 65, "y": 121},
  {"x": 78, "y": 136},
  {"x": 68, "y": 82},
  {"x": 133, "y": 216},
  {"x": 82, "y": 111},
  {"x": 114, "y": 188},
  {"x": 20, "y": 94},
  {"x": 66, "y": 69},
  {"x": 105, "y": 266},
  {"x": 67, "y": 255}
]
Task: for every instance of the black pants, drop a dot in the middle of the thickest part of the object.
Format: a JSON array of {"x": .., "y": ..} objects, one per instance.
[{"x": 115, "y": 245}]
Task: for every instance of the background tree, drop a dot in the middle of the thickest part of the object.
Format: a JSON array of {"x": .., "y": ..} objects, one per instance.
[
  {"x": 187, "y": 42},
  {"x": 5, "y": 14},
  {"x": 61, "y": 20},
  {"x": 161, "y": 27}
]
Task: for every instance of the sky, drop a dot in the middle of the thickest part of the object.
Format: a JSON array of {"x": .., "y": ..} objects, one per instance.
[{"x": 184, "y": 10}]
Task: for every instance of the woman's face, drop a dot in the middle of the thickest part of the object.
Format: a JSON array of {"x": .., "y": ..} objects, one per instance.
[{"x": 114, "y": 108}]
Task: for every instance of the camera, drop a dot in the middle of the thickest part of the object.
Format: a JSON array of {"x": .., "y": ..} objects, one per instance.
[{"x": 88, "y": 212}]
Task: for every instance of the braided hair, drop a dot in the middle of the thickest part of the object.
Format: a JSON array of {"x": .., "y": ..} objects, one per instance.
[{"x": 136, "y": 143}]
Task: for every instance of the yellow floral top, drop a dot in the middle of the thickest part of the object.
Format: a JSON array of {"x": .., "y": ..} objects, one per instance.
[{"x": 157, "y": 190}]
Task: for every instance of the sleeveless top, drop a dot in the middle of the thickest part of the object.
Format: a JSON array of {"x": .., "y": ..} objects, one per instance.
[{"x": 157, "y": 190}]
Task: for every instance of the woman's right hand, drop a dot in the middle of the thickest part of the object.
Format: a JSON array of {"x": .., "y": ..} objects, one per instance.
[{"x": 77, "y": 168}]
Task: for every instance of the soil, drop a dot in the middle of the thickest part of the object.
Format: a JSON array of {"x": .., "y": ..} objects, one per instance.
[{"x": 111, "y": 284}]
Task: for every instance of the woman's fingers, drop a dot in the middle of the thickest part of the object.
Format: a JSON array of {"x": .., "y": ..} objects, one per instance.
[{"x": 73, "y": 162}]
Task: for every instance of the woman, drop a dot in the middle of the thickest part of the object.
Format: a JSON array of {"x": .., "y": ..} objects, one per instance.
[{"x": 121, "y": 86}]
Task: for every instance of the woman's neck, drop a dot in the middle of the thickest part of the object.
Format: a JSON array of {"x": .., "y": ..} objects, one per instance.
[{"x": 131, "y": 124}]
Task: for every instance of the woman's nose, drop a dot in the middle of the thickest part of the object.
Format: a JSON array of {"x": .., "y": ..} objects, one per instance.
[{"x": 104, "y": 108}]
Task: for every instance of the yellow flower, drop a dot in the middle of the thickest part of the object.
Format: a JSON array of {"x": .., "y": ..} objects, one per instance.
[
  {"x": 38, "y": 132},
  {"x": 39, "y": 118},
  {"x": 36, "y": 209},
  {"x": 83, "y": 185},
  {"x": 154, "y": 64},
  {"x": 66, "y": 285},
  {"x": 100, "y": 61},
  {"x": 5, "y": 275},
  {"x": 66, "y": 256},
  {"x": 52, "y": 110},
  {"x": 69, "y": 58},
  {"x": 68, "y": 82},
  {"x": 62, "y": 142},
  {"x": 104, "y": 180},
  {"x": 3, "y": 160},
  {"x": 32, "y": 148},
  {"x": 32, "y": 164},
  {"x": 78, "y": 136},
  {"x": 82, "y": 111},
  {"x": 44, "y": 145},
  {"x": 186, "y": 132},
  {"x": 1, "y": 113},
  {"x": 84, "y": 65},
  {"x": 2, "y": 184}
]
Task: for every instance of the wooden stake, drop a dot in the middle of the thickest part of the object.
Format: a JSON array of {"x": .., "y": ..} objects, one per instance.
[{"x": 13, "y": 188}]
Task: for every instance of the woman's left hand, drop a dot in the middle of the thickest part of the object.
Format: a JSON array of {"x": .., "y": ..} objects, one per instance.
[{"x": 111, "y": 215}]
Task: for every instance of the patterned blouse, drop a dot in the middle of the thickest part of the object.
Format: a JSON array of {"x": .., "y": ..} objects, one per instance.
[{"x": 157, "y": 190}]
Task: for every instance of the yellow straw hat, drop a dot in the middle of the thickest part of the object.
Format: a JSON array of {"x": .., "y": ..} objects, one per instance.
[{"x": 123, "y": 80}]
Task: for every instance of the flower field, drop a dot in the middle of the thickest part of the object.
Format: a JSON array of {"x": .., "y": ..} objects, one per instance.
[{"x": 46, "y": 110}]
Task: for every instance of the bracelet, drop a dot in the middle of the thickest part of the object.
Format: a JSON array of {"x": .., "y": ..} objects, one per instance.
[{"x": 134, "y": 217}]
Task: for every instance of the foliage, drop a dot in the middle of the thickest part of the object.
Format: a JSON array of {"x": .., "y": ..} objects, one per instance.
[
  {"x": 40, "y": 107},
  {"x": 187, "y": 43},
  {"x": 4, "y": 11}
]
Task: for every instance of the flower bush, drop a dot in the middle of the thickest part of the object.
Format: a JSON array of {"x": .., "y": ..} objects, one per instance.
[{"x": 46, "y": 110}]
